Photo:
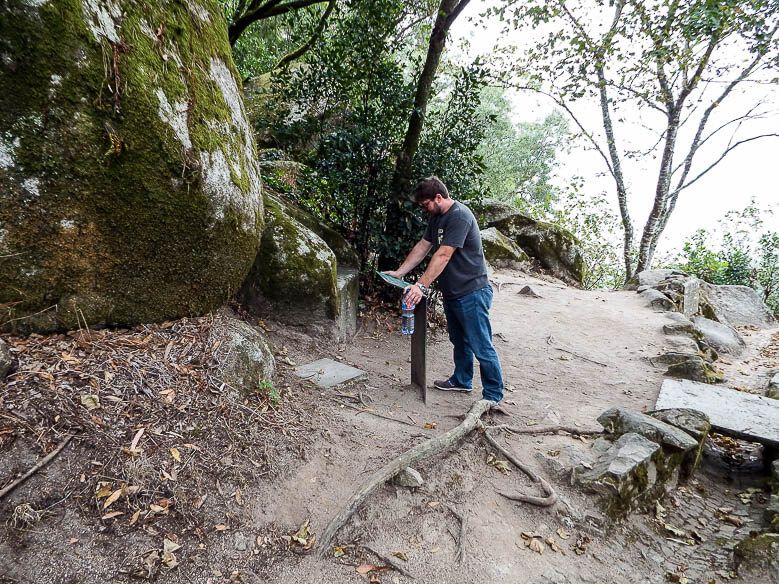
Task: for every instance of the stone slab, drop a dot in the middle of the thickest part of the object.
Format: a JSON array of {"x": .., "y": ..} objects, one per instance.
[
  {"x": 735, "y": 413},
  {"x": 327, "y": 373}
]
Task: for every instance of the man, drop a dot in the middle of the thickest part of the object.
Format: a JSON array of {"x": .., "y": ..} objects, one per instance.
[{"x": 458, "y": 264}]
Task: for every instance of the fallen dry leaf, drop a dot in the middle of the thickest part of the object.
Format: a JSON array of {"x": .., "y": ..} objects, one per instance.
[
  {"x": 536, "y": 545},
  {"x": 174, "y": 452},
  {"x": 430, "y": 425},
  {"x": 220, "y": 527},
  {"x": 113, "y": 498},
  {"x": 562, "y": 534},
  {"x": 400, "y": 556},
  {"x": 112, "y": 514}
]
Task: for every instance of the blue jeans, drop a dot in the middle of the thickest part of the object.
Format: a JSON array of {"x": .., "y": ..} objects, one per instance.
[{"x": 468, "y": 323}]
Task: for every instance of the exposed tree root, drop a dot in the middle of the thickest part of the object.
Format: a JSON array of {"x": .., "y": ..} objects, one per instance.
[
  {"x": 549, "y": 498},
  {"x": 547, "y": 430},
  {"x": 41, "y": 463},
  {"x": 408, "y": 458}
]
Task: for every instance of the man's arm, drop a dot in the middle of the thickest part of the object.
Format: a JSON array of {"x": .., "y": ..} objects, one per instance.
[
  {"x": 414, "y": 257},
  {"x": 437, "y": 264}
]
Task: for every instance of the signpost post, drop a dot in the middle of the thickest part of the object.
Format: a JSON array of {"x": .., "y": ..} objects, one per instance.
[{"x": 418, "y": 339}]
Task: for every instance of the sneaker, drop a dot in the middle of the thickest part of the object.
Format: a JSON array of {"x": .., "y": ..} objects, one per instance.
[{"x": 447, "y": 385}]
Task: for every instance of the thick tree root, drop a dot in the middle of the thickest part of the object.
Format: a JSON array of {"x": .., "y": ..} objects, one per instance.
[
  {"x": 548, "y": 430},
  {"x": 408, "y": 458},
  {"x": 549, "y": 498}
]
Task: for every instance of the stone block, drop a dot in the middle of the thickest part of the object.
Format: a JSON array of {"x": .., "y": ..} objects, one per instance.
[
  {"x": 722, "y": 337},
  {"x": 623, "y": 421},
  {"x": 327, "y": 373},
  {"x": 348, "y": 285},
  {"x": 691, "y": 297},
  {"x": 735, "y": 413},
  {"x": 623, "y": 474}
]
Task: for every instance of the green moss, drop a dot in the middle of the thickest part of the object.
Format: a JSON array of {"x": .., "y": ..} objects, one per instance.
[
  {"x": 293, "y": 271},
  {"x": 142, "y": 244}
]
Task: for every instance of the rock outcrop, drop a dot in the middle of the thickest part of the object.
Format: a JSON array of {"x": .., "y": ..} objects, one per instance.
[
  {"x": 500, "y": 251},
  {"x": 129, "y": 186},
  {"x": 296, "y": 277},
  {"x": 736, "y": 306},
  {"x": 555, "y": 248}
]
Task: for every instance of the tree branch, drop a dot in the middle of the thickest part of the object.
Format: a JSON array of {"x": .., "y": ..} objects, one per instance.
[{"x": 320, "y": 27}]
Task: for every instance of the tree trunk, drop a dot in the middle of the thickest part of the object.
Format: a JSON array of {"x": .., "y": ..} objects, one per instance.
[
  {"x": 448, "y": 11},
  {"x": 622, "y": 195},
  {"x": 655, "y": 220}
]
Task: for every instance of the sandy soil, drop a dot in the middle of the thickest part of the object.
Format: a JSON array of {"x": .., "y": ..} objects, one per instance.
[{"x": 567, "y": 357}]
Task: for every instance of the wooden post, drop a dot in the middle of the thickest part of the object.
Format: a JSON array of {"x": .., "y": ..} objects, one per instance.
[{"x": 418, "y": 349}]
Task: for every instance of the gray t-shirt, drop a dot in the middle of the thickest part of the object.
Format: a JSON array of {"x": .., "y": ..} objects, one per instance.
[{"x": 466, "y": 270}]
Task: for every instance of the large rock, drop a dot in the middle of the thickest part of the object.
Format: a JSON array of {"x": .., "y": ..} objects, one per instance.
[
  {"x": 624, "y": 474},
  {"x": 555, "y": 248},
  {"x": 657, "y": 300},
  {"x": 295, "y": 278},
  {"x": 622, "y": 421},
  {"x": 653, "y": 277},
  {"x": 244, "y": 356},
  {"x": 694, "y": 368},
  {"x": 5, "y": 360},
  {"x": 737, "y": 306},
  {"x": 491, "y": 210},
  {"x": 129, "y": 187},
  {"x": 500, "y": 251},
  {"x": 695, "y": 424},
  {"x": 722, "y": 337}
]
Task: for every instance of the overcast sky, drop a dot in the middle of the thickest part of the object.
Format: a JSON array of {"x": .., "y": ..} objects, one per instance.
[{"x": 749, "y": 171}]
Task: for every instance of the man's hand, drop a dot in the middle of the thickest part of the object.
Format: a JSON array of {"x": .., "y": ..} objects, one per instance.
[
  {"x": 395, "y": 273},
  {"x": 412, "y": 295}
]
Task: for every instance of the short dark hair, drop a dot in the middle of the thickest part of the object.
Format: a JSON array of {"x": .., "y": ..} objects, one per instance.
[{"x": 428, "y": 188}]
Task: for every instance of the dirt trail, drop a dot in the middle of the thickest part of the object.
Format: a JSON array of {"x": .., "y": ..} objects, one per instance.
[{"x": 567, "y": 356}]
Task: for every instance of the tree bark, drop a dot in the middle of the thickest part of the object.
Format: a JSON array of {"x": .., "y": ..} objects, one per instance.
[
  {"x": 244, "y": 15},
  {"x": 448, "y": 11}
]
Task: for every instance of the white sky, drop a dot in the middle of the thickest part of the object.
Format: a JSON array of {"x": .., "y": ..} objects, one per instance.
[{"x": 749, "y": 171}]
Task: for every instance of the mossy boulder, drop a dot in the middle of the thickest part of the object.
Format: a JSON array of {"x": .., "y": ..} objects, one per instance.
[
  {"x": 491, "y": 210},
  {"x": 500, "y": 251},
  {"x": 129, "y": 186},
  {"x": 555, "y": 248},
  {"x": 244, "y": 356},
  {"x": 758, "y": 557},
  {"x": 5, "y": 360},
  {"x": 294, "y": 277}
]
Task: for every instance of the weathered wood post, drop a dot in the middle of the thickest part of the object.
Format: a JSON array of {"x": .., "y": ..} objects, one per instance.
[{"x": 419, "y": 349}]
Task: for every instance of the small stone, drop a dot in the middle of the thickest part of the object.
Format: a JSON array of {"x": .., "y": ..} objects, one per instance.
[
  {"x": 410, "y": 478},
  {"x": 241, "y": 542}
]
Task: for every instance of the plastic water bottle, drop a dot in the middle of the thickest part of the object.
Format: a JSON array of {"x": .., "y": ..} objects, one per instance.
[{"x": 406, "y": 317}]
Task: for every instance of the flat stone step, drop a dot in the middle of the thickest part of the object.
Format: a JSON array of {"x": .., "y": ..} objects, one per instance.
[
  {"x": 327, "y": 373},
  {"x": 734, "y": 413}
]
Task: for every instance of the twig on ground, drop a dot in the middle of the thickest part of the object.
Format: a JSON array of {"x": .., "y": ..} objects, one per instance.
[
  {"x": 373, "y": 413},
  {"x": 388, "y": 560},
  {"x": 549, "y": 498},
  {"x": 408, "y": 458},
  {"x": 41, "y": 463},
  {"x": 550, "y": 342}
]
